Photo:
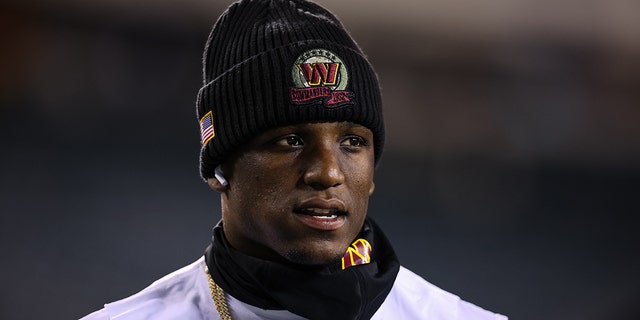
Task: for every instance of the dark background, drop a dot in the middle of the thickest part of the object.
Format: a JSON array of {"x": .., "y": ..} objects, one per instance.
[{"x": 511, "y": 174}]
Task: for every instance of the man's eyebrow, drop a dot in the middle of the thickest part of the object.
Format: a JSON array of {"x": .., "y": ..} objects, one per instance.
[{"x": 354, "y": 125}]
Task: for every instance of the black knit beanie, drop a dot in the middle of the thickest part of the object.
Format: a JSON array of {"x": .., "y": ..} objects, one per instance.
[{"x": 272, "y": 63}]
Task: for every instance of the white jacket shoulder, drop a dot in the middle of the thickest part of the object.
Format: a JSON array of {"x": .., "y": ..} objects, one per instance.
[
  {"x": 412, "y": 297},
  {"x": 182, "y": 294},
  {"x": 98, "y": 315}
]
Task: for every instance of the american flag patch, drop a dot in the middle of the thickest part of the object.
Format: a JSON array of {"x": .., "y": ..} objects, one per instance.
[{"x": 206, "y": 128}]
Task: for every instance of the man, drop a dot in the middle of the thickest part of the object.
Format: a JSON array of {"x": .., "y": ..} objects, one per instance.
[{"x": 291, "y": 126}]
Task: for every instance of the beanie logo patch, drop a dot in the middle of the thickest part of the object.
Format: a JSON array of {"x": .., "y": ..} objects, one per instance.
[
  {"x": 206, "y": 128},
  {"x": 319, "y": 75}
]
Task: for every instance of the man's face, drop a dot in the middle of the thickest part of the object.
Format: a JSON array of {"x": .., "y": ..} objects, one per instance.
[{"x": 299, "y": 192}]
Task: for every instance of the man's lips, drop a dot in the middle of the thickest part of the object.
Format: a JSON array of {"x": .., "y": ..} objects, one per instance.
[
  {"x": 321, "y": 207},
  {"x": 322, "y": 214}
]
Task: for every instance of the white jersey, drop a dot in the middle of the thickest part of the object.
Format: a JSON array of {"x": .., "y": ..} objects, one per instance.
[{"x": 185, "y": 294}]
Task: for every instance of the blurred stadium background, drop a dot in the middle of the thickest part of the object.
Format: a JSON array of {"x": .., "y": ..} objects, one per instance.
[{"x": 511, "y": 174}]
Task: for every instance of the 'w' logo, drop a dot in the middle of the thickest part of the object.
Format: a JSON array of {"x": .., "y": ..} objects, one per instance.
[
  {"x": 316, "y": 74},
  {"x": 358, "y": 253}
]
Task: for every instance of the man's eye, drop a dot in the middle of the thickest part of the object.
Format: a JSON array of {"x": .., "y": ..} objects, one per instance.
[
  {"x": 354, "y": 142},
  {"x": 290, "y": 141}
]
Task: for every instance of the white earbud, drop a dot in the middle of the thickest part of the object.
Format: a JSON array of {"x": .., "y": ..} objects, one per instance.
[{"x": 220, "y": 177}]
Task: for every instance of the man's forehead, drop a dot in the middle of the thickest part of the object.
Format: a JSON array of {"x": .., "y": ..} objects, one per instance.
[{"x": 344, "y": 125}]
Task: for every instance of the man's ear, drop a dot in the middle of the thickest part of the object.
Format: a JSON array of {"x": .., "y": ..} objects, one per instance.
[
  {"x": 216, "y": 185},
  {"x": 218, "y": 182},
  {"x": 373, "y": 187}
]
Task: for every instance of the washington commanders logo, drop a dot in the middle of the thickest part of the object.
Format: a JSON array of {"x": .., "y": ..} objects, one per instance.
[
  {"x": 319, "y": 75},
  {"x": 358, "y": 253}
]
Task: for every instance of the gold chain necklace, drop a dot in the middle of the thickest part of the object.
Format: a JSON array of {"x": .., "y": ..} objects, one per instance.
[{"x": 222, "y": 306}]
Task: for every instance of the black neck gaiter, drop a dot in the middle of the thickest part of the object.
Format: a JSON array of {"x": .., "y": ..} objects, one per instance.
[{"x": 325, "y": 292}]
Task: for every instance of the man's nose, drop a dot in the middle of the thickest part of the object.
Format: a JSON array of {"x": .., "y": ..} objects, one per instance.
[{"x": 322, "y": 167}]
